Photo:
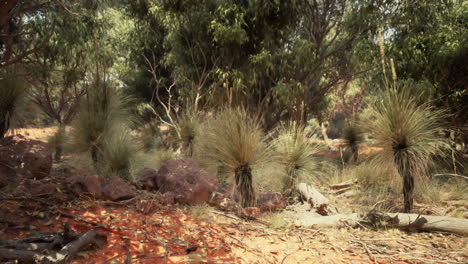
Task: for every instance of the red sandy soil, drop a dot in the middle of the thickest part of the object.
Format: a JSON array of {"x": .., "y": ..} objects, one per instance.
[{"x": 173, "y": 235}]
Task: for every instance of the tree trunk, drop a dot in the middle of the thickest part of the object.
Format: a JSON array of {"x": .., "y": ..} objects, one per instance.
[
  {"x": 243, "y": 177},
  {"x": 354, "y": 153},
  {"x": 58, "y": 152},
  {"x": 408, "y": 189},
  {"x": 4, "y": 125},
  {"x": 290, "y": 182}
]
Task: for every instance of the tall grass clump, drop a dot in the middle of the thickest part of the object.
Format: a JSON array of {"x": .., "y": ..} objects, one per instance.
[
  {"x": 118, "y": 151},
  {"x": 294, "y": 150},
  {"x": 57, "y": 142},
  {"x": 411, "y": 135},
  {"x": 102, "y": 120},
  {"x": 234, "y": 141},
  {"x": 12, "y": 91}
]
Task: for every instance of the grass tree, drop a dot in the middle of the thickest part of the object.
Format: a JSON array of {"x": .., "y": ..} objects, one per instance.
[
  {"x": 188, "y": 125},
  {"x": 12, "y": 90},
  {"x": 234, "y": 141},
  {"x": 353, "y": 136},
  {"x": 101, "y": 127},
  {"x": 295, "y": 151},
  {"x": 411, "y": 135}
]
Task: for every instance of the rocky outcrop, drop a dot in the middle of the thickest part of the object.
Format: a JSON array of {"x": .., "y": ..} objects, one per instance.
[
  {"x": 113, "y": 188},
  {"x": 116, "y": 189}
]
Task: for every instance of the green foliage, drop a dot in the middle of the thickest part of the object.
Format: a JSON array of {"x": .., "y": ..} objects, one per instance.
[
  {"x": 233, "y": 140},
  {"x": 295, "y": 151},
  {"x": 188, "y": 125},
  {"x": 12, "y": 91}
]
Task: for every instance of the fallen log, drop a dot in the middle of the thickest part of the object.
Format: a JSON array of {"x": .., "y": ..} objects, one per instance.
[
  {"x": 312, "y": 195},
  {"x": 410, "y": 222}
]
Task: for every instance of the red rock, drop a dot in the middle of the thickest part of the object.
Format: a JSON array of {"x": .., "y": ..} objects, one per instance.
[
  {"x": 186, "y": 181},
  {"x": 147, "y": 179},
  {"x": 251, "y": 212},
  {"x": 117, "y": 189},
  {"x": 271, "y": 201},
  {"x": 29, "y": 158},
  {"x": 37, "y": 188},
  {"x": 87, "y": 184}
]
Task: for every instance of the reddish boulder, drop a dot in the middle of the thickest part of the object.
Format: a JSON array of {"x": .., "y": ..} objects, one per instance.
[
  {"x": 29, "y": 158},
  {"x": 186, "y": 180},
  {"x": 117, "y": 189},
  {"x": 147, "y": 179},
  {"x": 87, "y": 184},
  {"x": 271, "y": 201},
  {"x": 36, "y": 188}
]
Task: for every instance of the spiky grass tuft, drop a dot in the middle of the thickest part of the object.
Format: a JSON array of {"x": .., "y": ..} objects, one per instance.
[
  {"x": 103, "y": 117},
  {"x": 118, "y": 151},
  {"x": 294, "y": 150},
  {"x": 411, "y": 135},
  {"x": 234, "y": 141}
]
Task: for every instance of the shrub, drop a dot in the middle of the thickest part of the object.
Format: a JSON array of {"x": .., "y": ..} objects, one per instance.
[{"x": 233, "y": 141}]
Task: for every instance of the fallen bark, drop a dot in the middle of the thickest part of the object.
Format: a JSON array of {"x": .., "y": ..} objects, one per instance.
[
  {"x": 343, "y": 185},
  {"x": 410, "y": 222},
  {"x": 30, "y": 250}
]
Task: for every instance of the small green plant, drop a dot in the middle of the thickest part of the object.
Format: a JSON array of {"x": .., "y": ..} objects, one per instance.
[
  {"x": 233, "y": 140},
  {"x": 294, "y": 150},
  {"x": 200, "y": 212},
  {"x": 277, "y": 221}
]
